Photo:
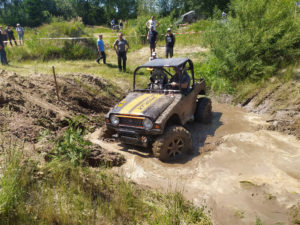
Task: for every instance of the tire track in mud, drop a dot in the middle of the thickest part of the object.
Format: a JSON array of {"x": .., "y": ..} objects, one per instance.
[{"x": 239, "y": 170}]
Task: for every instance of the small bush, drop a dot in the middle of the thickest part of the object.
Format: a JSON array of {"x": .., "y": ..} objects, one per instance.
[
  {"x": 72, "y": 146},
  {"x": 210, "y": 70}
]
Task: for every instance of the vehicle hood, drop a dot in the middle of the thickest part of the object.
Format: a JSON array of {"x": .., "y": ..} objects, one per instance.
[{"x": 144, "y": 104}]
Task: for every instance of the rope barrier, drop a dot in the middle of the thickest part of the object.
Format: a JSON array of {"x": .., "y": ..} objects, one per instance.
[{"x": 115, "y": 36}]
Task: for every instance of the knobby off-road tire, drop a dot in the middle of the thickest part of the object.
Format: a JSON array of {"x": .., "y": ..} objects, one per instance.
[
  {"x": 175, "y": 141},
  {"x": 203, "y": 113}
]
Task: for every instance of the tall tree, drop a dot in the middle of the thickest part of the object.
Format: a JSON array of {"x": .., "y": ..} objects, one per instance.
[{"x": 34, "y": 10}]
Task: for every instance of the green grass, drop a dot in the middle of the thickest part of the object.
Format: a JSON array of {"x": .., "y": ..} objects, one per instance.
[{"x": 57, "y": 192}]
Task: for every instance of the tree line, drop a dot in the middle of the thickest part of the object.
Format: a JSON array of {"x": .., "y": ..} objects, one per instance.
[{"x": 95, "y": 12}]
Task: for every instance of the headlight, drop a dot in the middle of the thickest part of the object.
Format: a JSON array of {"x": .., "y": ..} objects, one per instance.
[
  {"x": 114, "y": 120},
  {"x": 147, "y": 124}
]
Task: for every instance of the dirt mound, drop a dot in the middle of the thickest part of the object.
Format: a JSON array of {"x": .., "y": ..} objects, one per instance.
[
  {"x": 29, "y": 106},
  {"x": 282, "y": 101}
]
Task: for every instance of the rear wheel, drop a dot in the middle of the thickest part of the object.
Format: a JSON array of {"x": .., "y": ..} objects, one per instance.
[
  {"x": 175, "y": 141},
  {"x": 203, "y": 112}
]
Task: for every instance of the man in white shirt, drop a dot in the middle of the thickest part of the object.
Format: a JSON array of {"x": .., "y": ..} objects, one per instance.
[{"x": 152, "y": 22}]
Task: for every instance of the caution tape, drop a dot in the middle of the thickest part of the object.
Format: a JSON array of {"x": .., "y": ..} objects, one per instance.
[{"x": 84, "y": 38}]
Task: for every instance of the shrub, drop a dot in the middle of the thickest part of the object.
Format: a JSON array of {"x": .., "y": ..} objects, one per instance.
[
  {"x": 72, "y": 146},
  {"x": 257, "y": 38}
]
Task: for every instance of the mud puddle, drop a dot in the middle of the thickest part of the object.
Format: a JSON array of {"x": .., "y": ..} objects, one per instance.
[{"x": 240, "y": 171}]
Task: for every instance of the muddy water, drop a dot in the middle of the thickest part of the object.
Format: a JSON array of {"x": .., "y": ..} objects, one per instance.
[{"x": 240, "y": 171}]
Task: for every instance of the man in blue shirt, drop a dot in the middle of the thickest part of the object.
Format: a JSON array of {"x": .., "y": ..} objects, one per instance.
[{"x": 101, "y": 48}]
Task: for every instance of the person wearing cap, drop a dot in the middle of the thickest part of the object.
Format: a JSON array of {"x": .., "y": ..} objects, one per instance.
[
  {"x": 170, "y": 42},
  {"x": 10, "y": 35},
  {"x": 152, "y": 39},
  {"x": 121, "y": 47},
  {"x": 101, "y": 49},
  {"x": 3, "y": 58},
  {"x": 20, "y": 31},
  {"x": 152, "y": 22}
]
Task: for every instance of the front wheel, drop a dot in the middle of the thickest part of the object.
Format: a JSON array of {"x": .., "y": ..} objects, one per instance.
[{"x": 175, "y": 141}]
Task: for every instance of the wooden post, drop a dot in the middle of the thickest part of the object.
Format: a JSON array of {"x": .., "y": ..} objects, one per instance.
[{"x": 55, "y": 83}]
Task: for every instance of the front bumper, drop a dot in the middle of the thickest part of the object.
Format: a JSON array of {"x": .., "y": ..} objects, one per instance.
[{"x": 134, "y": 136}]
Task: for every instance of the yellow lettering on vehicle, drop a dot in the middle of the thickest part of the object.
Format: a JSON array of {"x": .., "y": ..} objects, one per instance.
[
  {"x": 134, "y": 103},
  {"x": 142, "y": 107},
  {"x": 122, "y": 103}
]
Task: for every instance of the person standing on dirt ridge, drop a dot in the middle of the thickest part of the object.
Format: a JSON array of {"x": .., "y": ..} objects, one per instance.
[
  {"x": 3, "y": 58},
  {"x": 152, "y": 39},
  {"x": 170, "y": 42},
  {"x": 101, "y": 49},
  {"x": 152, "y": 22},
  {"x": 20, "y": 31},
  {"x": 121, "y": 47},
  {"x": 10, "y": 35}
]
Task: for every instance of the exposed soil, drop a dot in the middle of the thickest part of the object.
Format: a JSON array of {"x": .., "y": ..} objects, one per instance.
[
  {"x": 29, "y": 106},
  {"x": 282, "y": 101}
]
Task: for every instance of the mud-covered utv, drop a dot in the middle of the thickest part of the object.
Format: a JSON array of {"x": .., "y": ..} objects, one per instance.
[{"x": 155, "y": 116}]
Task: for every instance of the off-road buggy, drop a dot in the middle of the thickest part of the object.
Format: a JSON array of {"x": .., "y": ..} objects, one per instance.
[{"x": 155, "y": 116}]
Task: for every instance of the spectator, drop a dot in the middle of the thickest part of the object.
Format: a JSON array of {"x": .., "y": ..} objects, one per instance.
[
  {"x": 20, "y": 31},
  {"x": 152, "y": 22},
  {"x": 170, "y": 41},
  {"x": 101, "y": 49},
  {"x": 152, "y": 39},
  {"x": 154, "y": 56},
  {"x": 121, "y": 25},
  {"x": 113, "y": 23},
  {"x": 10, "y": 35},
  {"x": 121, "y": 50},
  {"x": 3, "y": 58},
  {"x": 4, "y": 37}
]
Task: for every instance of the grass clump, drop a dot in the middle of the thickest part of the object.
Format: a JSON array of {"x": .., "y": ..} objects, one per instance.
[{"x": 72, "y": 146}]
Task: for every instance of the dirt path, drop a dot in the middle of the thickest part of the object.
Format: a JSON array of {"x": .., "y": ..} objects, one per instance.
[{"x": 239, "y": 170}]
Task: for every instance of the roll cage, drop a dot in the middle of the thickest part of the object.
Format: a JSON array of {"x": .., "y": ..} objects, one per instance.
[{"x": 167, "y": 63}]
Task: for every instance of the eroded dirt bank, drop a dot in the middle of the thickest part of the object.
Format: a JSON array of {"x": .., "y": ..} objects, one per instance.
[
  {"x": 30, "y": 110},
  {"x": 240, "y": 170},
  {"x": 279, "y": 99}
]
